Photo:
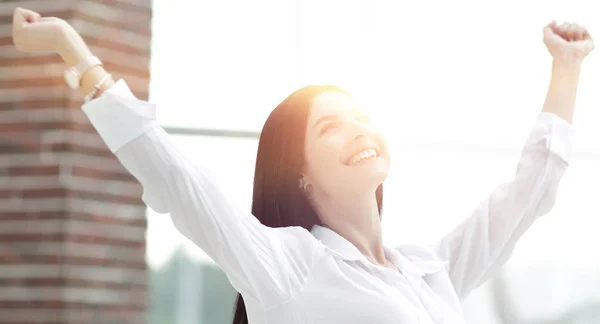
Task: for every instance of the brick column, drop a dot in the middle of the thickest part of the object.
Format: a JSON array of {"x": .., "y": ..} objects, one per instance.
[{"x": 72, "y": 225}]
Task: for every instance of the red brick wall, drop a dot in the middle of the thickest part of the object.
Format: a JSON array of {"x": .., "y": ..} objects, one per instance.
[{"x": 72, "y": 226}]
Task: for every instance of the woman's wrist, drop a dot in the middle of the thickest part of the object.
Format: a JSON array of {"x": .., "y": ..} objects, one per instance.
[
  {"x": 566, "y": 65},
  {"x": 71, "y": 46},
  {"x": 73, "y": 51}
]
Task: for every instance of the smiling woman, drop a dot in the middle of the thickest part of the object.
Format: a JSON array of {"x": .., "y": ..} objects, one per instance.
[{"x": 312, "y": 248}]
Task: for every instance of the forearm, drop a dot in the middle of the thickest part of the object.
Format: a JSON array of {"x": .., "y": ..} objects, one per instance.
[
  {"x": 562, "y": 91},
  {"x": 73, "y": 50}
]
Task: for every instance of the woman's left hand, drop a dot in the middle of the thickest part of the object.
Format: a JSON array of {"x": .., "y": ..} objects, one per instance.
[{"x": 568, "y": 43}]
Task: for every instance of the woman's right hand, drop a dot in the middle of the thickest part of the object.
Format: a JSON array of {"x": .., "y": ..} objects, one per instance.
[{"x": 33, "y": 33}]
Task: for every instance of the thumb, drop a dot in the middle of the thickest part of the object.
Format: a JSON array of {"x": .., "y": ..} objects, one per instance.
[
  {"x": 550, "y": 33},
  {"x": 549, "y": 29}
]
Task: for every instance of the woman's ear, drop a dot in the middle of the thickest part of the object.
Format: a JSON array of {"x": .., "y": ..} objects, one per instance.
[
  {"x": 302, "y": 183},
  {"x": 306, "y": 187}
]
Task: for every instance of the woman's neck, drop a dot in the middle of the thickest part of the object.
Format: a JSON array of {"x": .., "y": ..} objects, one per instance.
[{"x": 356, "y": 219}]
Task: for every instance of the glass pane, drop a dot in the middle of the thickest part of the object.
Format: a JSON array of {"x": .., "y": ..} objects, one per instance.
[
  {"x": 231, "y": 67},
  {"x": 221, "y": 64},
  {"x": 231, "y": 161},
  {"x": 186, "y": 287}
]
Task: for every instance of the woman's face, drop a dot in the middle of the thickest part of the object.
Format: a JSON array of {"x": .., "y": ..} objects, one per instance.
[{"x": 345, "y": 155}]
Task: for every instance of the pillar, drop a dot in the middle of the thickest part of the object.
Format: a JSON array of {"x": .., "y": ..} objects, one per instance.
[{"x": 72, "y": 225}]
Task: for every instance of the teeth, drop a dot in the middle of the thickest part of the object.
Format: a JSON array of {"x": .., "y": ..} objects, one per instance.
[{"x": 363, "y": 155}]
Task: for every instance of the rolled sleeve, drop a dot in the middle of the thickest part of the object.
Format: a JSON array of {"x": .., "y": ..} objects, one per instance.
[
  {"x": 558, "y": 134},
  {"x": 119, "y": 117}
]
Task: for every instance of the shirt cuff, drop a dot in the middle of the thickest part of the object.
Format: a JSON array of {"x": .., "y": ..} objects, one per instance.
[
  {"x": 558, "y": 134},
  {"x": 119, "y": 117}
]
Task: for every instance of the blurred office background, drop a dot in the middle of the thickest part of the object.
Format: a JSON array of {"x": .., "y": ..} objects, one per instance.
[{"x": 454, "y": 85}]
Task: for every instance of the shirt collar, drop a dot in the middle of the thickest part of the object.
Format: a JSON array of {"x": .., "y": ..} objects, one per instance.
[
  {"x": 345, "y": 250},
  {"x": 337, "y": 244}
]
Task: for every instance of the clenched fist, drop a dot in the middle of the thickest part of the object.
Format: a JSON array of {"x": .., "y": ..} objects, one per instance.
[
  {"x": 33, "y": 33},
  {"x": 568, "y": 43}
]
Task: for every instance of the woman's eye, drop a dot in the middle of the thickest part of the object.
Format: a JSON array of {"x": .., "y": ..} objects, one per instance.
[{"x": 328, "y": 128}]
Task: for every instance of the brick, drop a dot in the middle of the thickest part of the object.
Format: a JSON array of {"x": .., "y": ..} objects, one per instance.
[
  {"x": 8, "y": 73},
  {"x": 114, "y": 38},
  {"x": 74, "y": 294},
  {"x": 115, "y": 187},
  {"x": 28, "y": 182},
  {"x": 108, "y": 219},
  {"x": 46, "y": 204},
  {"x": 76, "y": 227},
  {"x": 109, "y": 164},
  {"x": 90, "y": 172},
  {"x": 98, "y": 162},
  {"x": 67, "y": 214},
  {"x": 55, "y": 303},
  {"x": 134, "y": 40},
  {"x": 123, "y": 62},
  {"x": 8, "y": 118},
  {"x": 31, "y": 171},
  {"x": 27, "y": 93},
  {"x": 130, "y": 5},
  {"x": 111, "y": 275},
  {"x": 13, "y": 61},
  {"x": 77, "y": 316},
  {"x": 105, "y": 14},
  {"x": 24, "y": 236},
  {"x": 7, "y": 7},
  {"x": 121, "y": 211},
  {"x": 32, "y": 104},
  {"x": 30, "y": 315},
  {"x": 33, "y": 260},
  {"x": 27, "y": 271},
  {"x": 76, "y": 283},
  {"x": 74, "y": 250}
]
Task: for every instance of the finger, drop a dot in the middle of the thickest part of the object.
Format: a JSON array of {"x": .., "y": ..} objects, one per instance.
[
  {"x": 49, "y": 19},
  {"x": 552, "y": 27},
  {"x": 579, "y": 32},
  {"x": 549, "y": 32},
  {"x": 587, "y": 35},
  {"x": 571, "y": 32},
  {"x": 563, "y": 30},
  {"x": 574, "y": 32},
  {"x": 31, "y": 16},
  {"x": 560, "y": 30}
]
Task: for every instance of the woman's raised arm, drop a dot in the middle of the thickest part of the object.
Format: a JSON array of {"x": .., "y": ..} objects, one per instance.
[
  {"x": 484, "y": 242},
  {"x": 266, "y": 265}
]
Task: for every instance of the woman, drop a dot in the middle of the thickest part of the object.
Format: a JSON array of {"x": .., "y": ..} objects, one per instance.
[{"x": 311, "y": 251}]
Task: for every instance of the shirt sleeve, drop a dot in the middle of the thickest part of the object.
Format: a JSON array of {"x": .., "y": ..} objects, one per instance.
[
  {"x": 485, "y": 241},
  {"x": 263, "y": 263}
]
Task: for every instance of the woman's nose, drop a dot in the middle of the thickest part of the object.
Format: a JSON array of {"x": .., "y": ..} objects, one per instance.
[
  {"x": 359, "y": 136},
  {"x": 357, "y": 131}
]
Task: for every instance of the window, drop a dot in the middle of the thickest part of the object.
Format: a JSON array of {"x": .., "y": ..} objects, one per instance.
[{"x": 455, "y": 87}]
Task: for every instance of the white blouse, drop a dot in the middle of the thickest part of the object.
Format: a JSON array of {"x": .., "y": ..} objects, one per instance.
[{"x": 290, "y": 275}]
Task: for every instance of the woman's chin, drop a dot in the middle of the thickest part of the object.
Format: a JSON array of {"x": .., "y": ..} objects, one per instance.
[{"x": 367, "y": 178}]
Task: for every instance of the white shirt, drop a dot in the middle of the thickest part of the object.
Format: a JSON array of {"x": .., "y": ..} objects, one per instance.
[{"x": 290, "y": 275}]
